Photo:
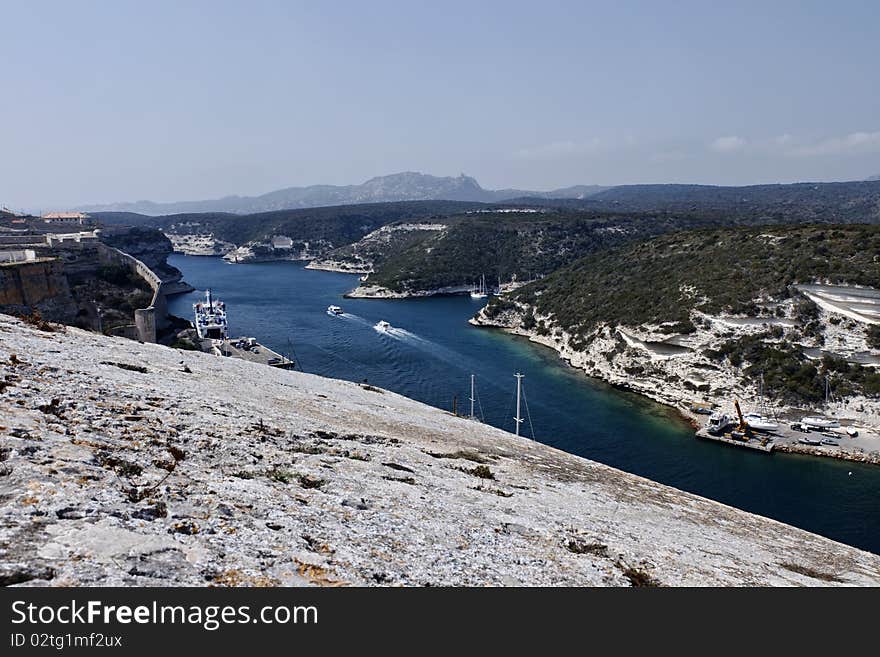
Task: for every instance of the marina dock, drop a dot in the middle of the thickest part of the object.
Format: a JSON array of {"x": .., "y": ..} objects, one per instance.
[
  {"x": 835, "y": 443},
  {"x": 754, "y": 443},
  {"x": 247, "y": 349}
]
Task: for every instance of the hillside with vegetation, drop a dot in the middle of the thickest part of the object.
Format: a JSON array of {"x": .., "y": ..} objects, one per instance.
[
  {"x": 725, "y": 301},
  {"x": 842, "y": 202},
  {"x": 524, "y": 246},
  {"x": 711, "y": 271},
  {"x": 512, "y": 241},
  {"x": 508, "y": 246},
  {"x": 336, "y": 224}
]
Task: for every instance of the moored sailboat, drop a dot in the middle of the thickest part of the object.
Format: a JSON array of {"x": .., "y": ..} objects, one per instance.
[{"x": 480, "y": 292}]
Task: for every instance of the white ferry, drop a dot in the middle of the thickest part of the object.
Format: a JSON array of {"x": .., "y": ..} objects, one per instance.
[{"x": 210, "y": 316}]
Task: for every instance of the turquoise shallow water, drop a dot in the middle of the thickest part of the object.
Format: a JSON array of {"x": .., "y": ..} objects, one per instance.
[{"x": 433, "y": 350}]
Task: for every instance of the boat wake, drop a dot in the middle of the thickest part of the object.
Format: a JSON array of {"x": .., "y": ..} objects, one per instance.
[
  {"x": 429, "y": 347},
  {"x": 403, "y": 334},
  {"x": 352, "y": 318}
]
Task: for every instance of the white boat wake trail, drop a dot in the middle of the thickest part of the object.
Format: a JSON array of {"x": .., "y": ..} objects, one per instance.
[
  {"x": 428, "y": 346},
  {"x": 354, "y": 318}
]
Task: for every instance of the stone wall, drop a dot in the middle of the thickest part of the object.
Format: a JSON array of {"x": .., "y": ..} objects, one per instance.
[
  {"x": 152, "y": 319},
  {"x": 45, "y": 284}
]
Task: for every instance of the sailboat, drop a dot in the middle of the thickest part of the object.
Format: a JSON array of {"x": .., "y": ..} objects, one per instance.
[
  {"x": 822, "y": 422},
  {"x": 474, "y": 399},
  {"x": 480, "y": 292},
  {"x": 757, "y": 420}
]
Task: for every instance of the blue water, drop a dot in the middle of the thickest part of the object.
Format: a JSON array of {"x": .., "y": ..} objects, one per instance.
[{"x": 432, "y": 352}]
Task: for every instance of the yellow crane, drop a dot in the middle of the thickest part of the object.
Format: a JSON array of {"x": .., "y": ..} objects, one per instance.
[{"x": 743, "y": 429}]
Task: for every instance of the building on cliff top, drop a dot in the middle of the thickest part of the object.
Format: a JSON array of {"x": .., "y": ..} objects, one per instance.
[{"x": 78, "y": 218}]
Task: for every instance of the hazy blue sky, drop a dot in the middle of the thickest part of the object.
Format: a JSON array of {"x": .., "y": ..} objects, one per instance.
[{"x": 112, "y": 101}]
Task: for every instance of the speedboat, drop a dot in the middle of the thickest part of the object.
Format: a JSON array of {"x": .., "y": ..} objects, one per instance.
[
  {"x": 820, "y": 422},
  {"x": 718, "y": 422},
  {"x": 383, "y": 326},
  {"x": 334, "y": 310},
  {"x": 760, "y": 423}
]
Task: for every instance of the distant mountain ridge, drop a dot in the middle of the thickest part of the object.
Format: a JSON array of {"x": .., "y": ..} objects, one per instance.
[{"x": 406, "y": 186}]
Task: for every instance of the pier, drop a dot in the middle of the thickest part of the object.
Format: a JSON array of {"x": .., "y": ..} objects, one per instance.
[
  {"x": 756, "y": 444},
  {"x": 247, "y": 349},
  {"x": 865, "y": 447}
]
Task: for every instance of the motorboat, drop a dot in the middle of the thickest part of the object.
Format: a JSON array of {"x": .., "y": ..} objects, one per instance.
[
  {"x": 383, "y": 326},
  {"x": 718, "y": 422},
  {"x": 334, "y": 310}
]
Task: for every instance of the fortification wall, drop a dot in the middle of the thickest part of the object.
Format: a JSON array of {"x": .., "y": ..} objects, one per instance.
[
  {"x": 150, "y": 320},
  {"x": 43, "y": 285}
]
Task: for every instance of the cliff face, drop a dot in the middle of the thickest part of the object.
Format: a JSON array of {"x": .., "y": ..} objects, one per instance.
[
  {"x": 39, "y": 285},
  {"x": 134, "y": 464}
]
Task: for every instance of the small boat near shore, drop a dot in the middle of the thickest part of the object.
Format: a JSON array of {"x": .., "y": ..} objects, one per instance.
[
  {"x": 820, "y": 422},
  {"x": 759, "y": 420},
  {"x": 817, "y": 422},
  {"x": 718, "y": 422}
]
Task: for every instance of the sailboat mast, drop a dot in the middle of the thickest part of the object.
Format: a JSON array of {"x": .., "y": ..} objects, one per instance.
[
  {"x": 761, "y": 395},
  {"x": 518, "y": 419},
  {"x": 472, "y": 396}
]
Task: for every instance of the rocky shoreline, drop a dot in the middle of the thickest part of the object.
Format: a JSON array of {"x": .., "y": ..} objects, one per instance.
[
  {"x": 337, "y": 266},
  {"x": 379, "y": 292},
  {"x": 678, "y": 394},
  {"x": 135, "y": 464}
]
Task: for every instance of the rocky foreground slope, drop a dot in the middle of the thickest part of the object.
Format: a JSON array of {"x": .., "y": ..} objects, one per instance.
[{"x": 135, "y": 464}]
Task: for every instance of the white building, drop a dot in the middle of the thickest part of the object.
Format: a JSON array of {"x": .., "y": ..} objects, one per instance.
[
  {"x": 281, "y": 242},
  {"x": 24, "y": 255},
  {"x": 78, "y": 218}
]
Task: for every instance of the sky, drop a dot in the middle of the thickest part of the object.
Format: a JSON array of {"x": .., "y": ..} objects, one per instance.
[{"x": 123, "y": 100}]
